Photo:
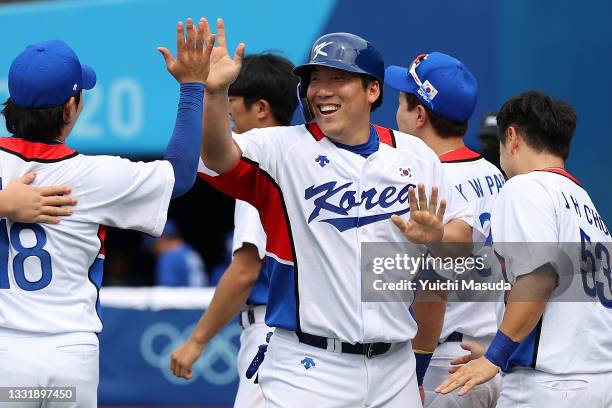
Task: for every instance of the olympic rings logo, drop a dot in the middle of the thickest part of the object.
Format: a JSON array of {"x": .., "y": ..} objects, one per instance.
[{"x": 221, "y": 349}]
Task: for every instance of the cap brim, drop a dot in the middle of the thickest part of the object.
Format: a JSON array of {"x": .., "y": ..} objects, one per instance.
[
  {"x": 398, "y": 78},
  {"x": 89, "y": 77}
]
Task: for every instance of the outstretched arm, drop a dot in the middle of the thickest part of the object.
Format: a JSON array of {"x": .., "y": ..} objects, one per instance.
[
  {"x": 219, "y": 152},
  {"x": 190, "y": 69},
  {"x": 524, "y": 309}
]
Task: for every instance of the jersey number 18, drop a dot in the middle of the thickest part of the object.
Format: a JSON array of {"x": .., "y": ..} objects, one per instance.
[{"x": 23, "y": 253}]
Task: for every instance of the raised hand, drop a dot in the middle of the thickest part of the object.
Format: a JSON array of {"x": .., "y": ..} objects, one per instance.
[
  {"x": 36, "y": 204},
  {"x": 425, "y": 224},
  {"x": 192, "y": 63},
  {"x": 223, "y": 69},
  {"x": 184, "y": 356}
]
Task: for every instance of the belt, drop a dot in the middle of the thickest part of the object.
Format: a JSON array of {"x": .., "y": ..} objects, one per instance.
[
  {"x": 252, "y": 315},
  {"x": 368, "y": 349},
  {"x": 454, "y": 336}
]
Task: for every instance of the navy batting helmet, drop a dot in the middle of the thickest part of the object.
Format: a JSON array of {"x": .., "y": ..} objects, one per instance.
[{"x": 344, "y": 51}]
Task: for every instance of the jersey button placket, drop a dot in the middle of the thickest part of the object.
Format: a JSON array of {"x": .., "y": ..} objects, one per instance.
[{"x": 367, "y": 165}]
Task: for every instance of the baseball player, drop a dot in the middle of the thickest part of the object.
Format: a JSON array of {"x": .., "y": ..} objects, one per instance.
[
  {"x": 437, "y": 98},
  {"x": 262, "y": 96},
  {"x": 22, "y": 203},
  {"x": 553, "y": 353},
  {"x": 322, "y": 189},
  {"x": 50, "y": 274}
]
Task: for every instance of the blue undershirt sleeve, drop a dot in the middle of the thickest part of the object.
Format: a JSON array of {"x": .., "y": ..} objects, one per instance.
[{"x": 183, "y": 149}]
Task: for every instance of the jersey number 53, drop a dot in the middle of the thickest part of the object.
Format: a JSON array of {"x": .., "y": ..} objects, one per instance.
[{"x": 595, "y": 270}]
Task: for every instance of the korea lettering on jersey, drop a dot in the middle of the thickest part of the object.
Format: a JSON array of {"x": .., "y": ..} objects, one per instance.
[
  {"x": 317, "y": 204},
  {"x": 50, "y": 274},
  {"x": 550, "y": 206},
  {"x": 479, "y": 182}
]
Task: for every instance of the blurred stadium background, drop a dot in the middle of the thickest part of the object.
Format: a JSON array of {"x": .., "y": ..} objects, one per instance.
[{"x": 559, "y": 46}]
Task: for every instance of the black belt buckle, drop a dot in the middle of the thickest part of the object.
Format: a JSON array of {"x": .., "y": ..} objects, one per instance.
[{"x": 376, "y": 349}]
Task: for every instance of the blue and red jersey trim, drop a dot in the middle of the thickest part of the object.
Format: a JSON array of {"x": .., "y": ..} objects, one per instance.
[
  {"x": 36, "y": 151},
  {"x": 562, "y": 172},
  {"x": 385, "y": 135},
  {"x": 248, "y": 182},
  {"x": 460, "y": 155}
]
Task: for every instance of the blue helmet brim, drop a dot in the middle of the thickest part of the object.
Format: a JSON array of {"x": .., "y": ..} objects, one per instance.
[{"x": 303, "y": 70}]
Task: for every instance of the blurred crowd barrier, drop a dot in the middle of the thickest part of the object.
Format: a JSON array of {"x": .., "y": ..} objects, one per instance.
[{"x": 142, "y": 326}]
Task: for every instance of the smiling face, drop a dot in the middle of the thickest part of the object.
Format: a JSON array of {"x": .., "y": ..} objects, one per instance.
[{"x": 341, "y": 103}]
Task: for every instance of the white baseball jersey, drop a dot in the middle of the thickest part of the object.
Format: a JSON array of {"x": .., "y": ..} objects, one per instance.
[
  {"x": 50, "y": 274},
  {"x": 550, "y": 206},
  {"x": 479, "y": 182},
  {"x": 318, "y": 203},
  {"x": 248, "y": 229}
]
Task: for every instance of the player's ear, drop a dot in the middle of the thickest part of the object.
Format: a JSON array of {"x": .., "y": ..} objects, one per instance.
[
  {"x": 422, "y": 116},
  {"x": 373, "y": 91},
  {"x": 263, "y": 109},
  {"x": 513, "y": 138},
  {"x": 70, "y": 109}
]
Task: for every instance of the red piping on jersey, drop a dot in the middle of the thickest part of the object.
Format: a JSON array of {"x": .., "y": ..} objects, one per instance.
[
  {"x": 459, "y": 155},
  {"x": 385, "y": 135},
  {"x": 315, "y": 131},
  {"x": 562, "y": 172},
  {"x": 102, "y": 238},
  {"x": 247, "y": 182},
  {"x": 36, "y": 151}
]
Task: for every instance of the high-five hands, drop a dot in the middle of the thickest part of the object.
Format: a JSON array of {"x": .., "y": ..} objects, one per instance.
[
  {"x": 223, "y": 69},
  {"x": 192, "y": 63},
  {"x": 425, "y": 224}
]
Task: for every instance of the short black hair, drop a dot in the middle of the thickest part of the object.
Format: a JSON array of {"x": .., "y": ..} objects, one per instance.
[
  {"x": 545, "y": 124},
  {"x": 270, "y": 77},
  {"x": 443, "y": 126},
  {"x": 35, "y": 124}
]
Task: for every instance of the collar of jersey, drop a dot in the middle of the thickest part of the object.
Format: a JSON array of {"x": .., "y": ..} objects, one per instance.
[
  {"x": 459, "y": 155},
  {"x": 561, "y": 172},
  {"x": 365, "y": 149},
  {"x": 30, "y": 150}
]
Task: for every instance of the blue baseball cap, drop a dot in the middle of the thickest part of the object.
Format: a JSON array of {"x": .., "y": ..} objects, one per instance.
[
  {"x": 440, "y": 82},
  {"x": 47, "y": 74}
]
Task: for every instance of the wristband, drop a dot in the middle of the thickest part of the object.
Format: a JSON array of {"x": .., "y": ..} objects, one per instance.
[
  {"x": 422, "y": 363},
  {"x": 501, "y": 349}
]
